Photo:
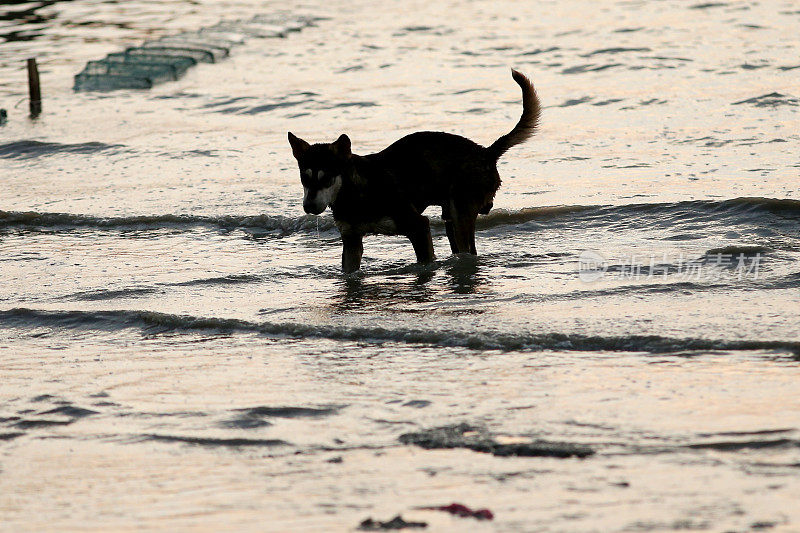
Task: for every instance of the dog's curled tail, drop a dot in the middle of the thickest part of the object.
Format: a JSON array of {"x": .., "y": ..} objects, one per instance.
[{"x": 526, "y": 127}]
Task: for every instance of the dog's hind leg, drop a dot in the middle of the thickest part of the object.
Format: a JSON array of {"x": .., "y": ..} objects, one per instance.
[
  {"x": 448, "y": 226},
  {"x": 463, "y": 228},
  {"x": 451, "y": 235},
  {"x": 422, "y": 241},
  {"x": 353, "y": 249},
  {"x": 418, "y": 230},
  {"x": 472, "y": 249},
  {"x": 471, "y": 229}
]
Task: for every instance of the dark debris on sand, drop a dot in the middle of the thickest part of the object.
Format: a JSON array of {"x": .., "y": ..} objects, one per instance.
[
  {"x": 478, "y": 439},
  {"x": 394, "y": 524}
]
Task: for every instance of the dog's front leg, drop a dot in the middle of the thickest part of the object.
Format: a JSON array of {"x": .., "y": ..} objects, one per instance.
[{"x": 352, "y": 250}]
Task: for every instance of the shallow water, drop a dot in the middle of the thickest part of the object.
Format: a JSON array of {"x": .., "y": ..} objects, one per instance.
[{"x": 179, "y": 350}]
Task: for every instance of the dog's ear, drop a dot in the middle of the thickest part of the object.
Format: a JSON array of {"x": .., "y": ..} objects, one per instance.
[
  {"x": 341, "y": 146},
  {"x": 299, "y": 146}
]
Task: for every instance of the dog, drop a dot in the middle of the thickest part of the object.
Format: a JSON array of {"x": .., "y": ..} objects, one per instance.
[{"x": 387, "y": 192}]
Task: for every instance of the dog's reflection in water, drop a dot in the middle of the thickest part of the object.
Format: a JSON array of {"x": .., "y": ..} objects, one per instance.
[
  {"x": 360, "y": 293},
  {"x": 464, "y": 274}
]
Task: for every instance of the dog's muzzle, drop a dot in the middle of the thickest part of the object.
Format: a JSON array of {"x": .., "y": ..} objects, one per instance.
[
  {"x": 316, "y": 201},
  {"x": 311, "y": 203},
  {"x": 312, "y": 208}
]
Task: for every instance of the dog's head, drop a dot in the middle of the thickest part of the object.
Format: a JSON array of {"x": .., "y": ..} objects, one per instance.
[{"x": 322, "y": 168}]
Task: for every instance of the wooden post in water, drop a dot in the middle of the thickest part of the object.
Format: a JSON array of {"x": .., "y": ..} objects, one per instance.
[{"x": 33, "y": 88}]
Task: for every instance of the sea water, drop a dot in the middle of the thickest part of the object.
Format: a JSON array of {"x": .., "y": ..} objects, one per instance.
[{"x": 180, "y": 351}]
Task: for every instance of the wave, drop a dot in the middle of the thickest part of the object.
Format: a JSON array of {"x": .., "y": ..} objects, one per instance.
[
  {"x": 210, "y": 441},
  {"x": 276, "y": 223},
  {"x": 135, "y": 292},
  {"x": 28, "y": 149},
  {"x": 789, "y": 281},
  {"x": 155, "y": 322},
  {"x": 112, "y": 294},
  {"x": 743, "y": 210},
  {"x": 503, "y": 217},
  {"x": 735, "y": 446},
  {"x": 784, "y": 206},
  {"x": 737, "y": 250}
]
